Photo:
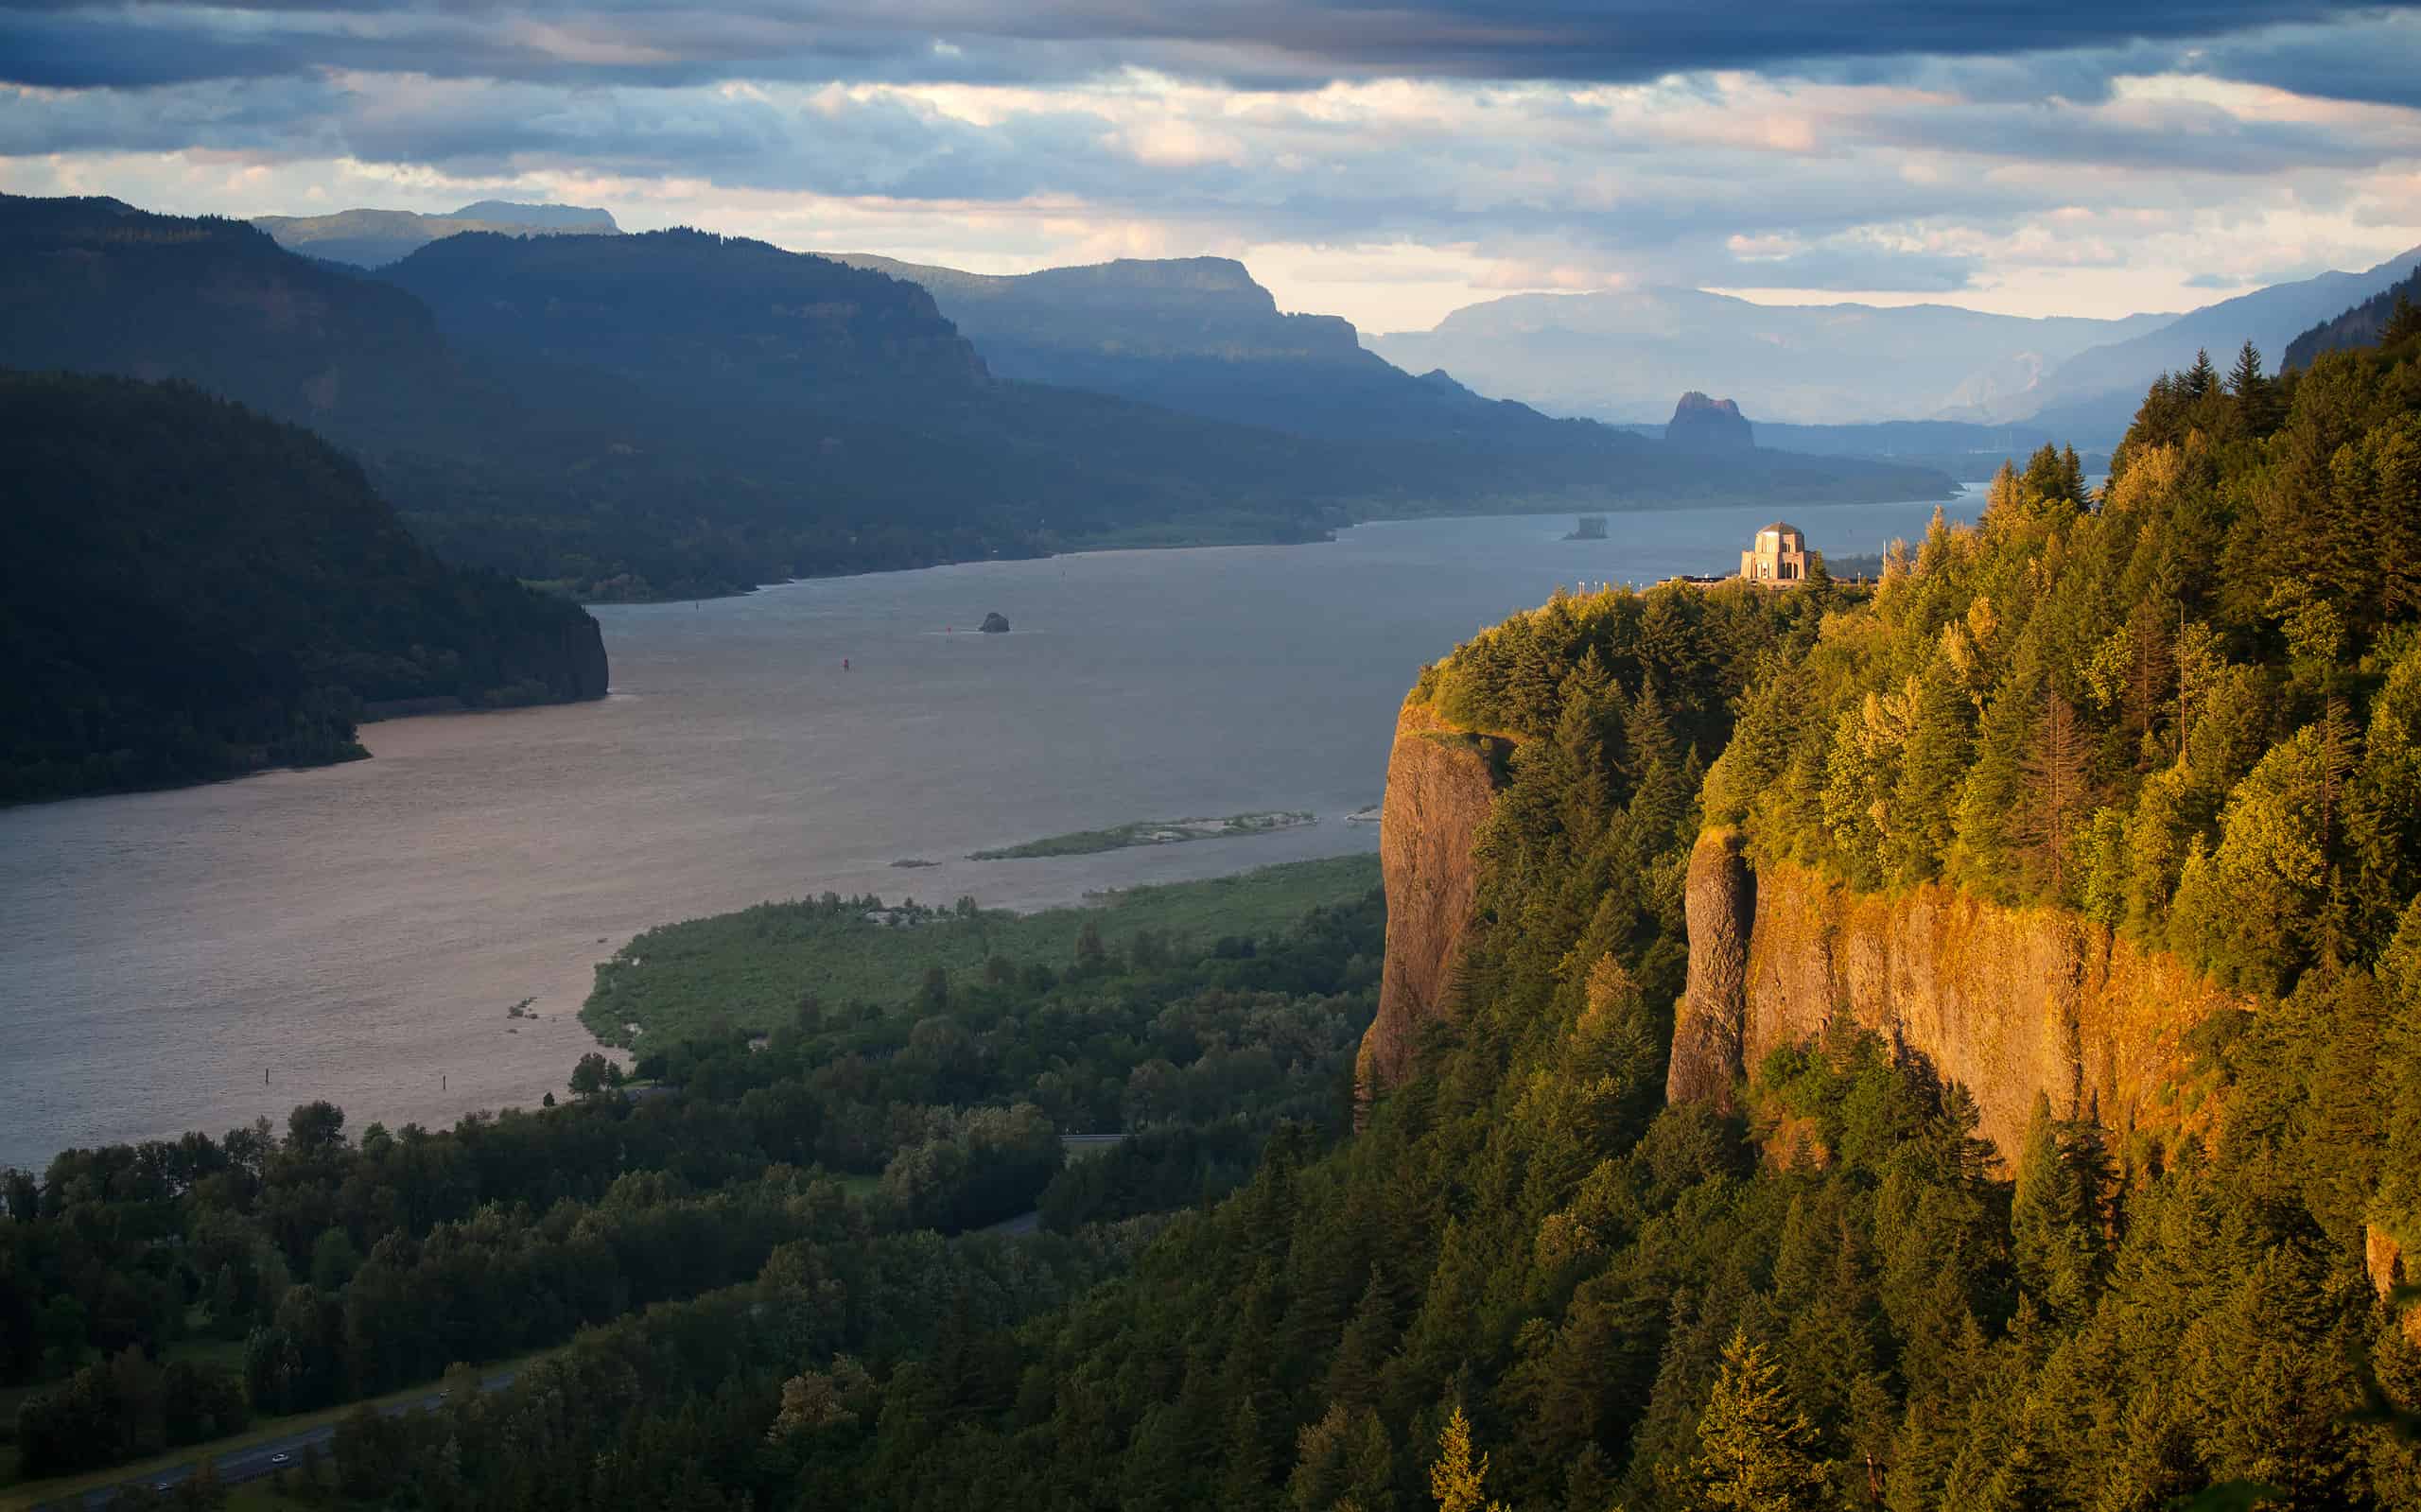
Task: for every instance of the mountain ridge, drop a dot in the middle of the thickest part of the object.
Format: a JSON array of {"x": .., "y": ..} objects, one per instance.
[
  {"x": 372, "y": 238},
  {"x": 1620, "y": 355},
  {"x": 2100, "y": 387},
  {"x": 195, "y": 591}
]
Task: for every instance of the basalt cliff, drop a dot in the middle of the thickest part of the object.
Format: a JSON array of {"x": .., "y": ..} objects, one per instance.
[
  {"x": 1440, "y": 783},
  {"x": 2007, "y": 1003}
]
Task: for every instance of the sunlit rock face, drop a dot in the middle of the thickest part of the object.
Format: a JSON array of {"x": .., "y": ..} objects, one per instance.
[
  {"x": 2007, "y": 1003},
  {"x": 1439, "y": 787}
]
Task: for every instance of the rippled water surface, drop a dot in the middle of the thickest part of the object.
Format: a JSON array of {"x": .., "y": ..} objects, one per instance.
[{"x": 194, "y": 959}]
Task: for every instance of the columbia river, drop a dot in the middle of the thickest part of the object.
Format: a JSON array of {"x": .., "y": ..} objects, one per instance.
[{"x": 198, "y": 958}]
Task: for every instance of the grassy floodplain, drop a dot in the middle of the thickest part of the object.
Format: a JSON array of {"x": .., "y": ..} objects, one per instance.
[
  {"x": 1151, "y": 832},
  {"x": 750, "y": 970}
]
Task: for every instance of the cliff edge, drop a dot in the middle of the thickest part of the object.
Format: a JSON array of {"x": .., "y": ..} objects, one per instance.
[
  {"x": 1710, "y": 1025},
  {"x": 1440, "y": 783},
  {"x": 2008, "y": 1002}
]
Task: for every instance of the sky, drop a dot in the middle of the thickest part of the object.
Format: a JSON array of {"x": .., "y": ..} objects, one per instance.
[{"x": 1384, "y": 162}]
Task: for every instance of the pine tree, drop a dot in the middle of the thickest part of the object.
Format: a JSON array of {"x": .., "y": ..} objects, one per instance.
[
  {"x": 2338, "y": 749},
  {"x": 1756, "y": 1452},
  {"x": 2201, "y": 377},
  {"x": 2255, "y": 396},
  {"x": 2403, "y": 320},
  {"x": 1362, "y": 1353},
  {"x": 1456, "y": 1479},
  {"x": 2059, "y": 796},
  {"x": 1370, "y": 1465},
  {"x": 2044, "y": 481},
  {"x": 1588, "y": 1486},
  {"x": 1246, "y": 1484},
  {"x": 2053, "y": 1240}
]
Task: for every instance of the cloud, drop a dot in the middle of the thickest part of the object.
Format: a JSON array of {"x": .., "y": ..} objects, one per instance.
[
  {"x": 1257, "y": 43},
  {"x": 1390, "y": 158}
]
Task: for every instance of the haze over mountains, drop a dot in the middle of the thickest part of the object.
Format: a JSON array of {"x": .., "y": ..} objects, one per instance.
[
  {"x": 1620, "y": 355},
  {"x": 372, "y": 238},
  {"x": 676, "y": 413},
  {"x": 1200, "y": 335}
]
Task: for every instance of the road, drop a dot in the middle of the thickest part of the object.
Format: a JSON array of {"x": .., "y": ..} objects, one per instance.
[{"x": 265, "y": 1458}]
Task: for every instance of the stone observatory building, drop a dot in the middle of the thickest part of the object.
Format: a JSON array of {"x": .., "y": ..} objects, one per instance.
[{"x": 1778, "y": 555}]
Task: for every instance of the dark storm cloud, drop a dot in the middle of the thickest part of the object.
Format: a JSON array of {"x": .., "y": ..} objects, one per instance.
[{"x": 1252, "y": 41}]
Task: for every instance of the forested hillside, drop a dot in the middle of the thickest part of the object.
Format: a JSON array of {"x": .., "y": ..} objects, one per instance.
[
  {"x": 801, "y": 1172},
  {"x": 2370, "y": 324},
  {"x": 679, "y": 413},
  {"x": 2190, "y": 707},
  {"x": 188, "y": 591},
  {"x": 1528, "y": 1280}
]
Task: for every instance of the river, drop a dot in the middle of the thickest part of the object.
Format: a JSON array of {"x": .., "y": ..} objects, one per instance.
[{"x": 198, "y": 958}]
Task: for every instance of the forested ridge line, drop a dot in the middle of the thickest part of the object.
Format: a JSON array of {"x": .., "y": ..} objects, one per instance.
[
  {"x": 189, "y": 590},
  {"x": 1530, "y": 1282},
  {"x": 164, "y": 1293},
  {"x": 675, "y": 415}
]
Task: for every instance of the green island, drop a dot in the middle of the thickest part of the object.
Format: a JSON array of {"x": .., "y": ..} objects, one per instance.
[
  {"x": 1151, "y": 832},
  {"x": 750, "y": 970}
]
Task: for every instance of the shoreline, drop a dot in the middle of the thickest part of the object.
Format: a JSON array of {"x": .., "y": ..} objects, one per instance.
[{"x": 1327, "y": 537}]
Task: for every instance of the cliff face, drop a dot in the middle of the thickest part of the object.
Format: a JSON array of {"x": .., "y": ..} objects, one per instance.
[
  {"x": 2008, "y": 1002},
  {"x": 1439, "y": 787},
  {"x": 1708, "y": 1027},
  {"x": 2383, "y": 1258}
]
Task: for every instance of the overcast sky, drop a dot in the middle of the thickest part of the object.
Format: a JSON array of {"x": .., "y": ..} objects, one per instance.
[{"x": 1386, "y": 163}]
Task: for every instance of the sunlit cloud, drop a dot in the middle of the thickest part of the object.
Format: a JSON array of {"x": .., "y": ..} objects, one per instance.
[{"x": 1387, "y": 165}]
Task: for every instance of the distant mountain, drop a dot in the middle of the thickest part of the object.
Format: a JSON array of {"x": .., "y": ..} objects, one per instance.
[
  {"x": 372, "y": 238},
  {"x": 1199, "y": 335},
  {"x": 1702, "y": 424},
  {"x": 2362, "y": 325},
  {"x": 97, "y": 286},
  {"x": 728, "y": 335},
  {"x": 674, "y": 413},
  {"x": 1622, "y": 357},
  {"x": 2096, "y": 392},
  {"x": 189, "y": 591}
]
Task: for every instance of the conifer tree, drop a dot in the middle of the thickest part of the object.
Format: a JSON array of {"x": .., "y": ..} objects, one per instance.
[
  {"x": 1246, "y": 1484},
  {"x": 2058, "y": 794},
  {"x": 2253, "y": 392},
  {"x": 2072, "y": 475},
  {"x": 2053, "y": 1238},
  {"x": 1362, "y": 1353},
  {"x": 1370, "y": 1465},
  {"x": 2403, "y": 320},
  {"x": 1457, "y": 1479},
  {"x": 1756, "y": 1452}
]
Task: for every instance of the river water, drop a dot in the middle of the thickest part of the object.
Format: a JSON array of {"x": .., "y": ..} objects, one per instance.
[{"x": 197, "y": 957}]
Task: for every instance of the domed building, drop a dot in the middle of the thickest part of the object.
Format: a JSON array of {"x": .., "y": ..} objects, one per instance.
[{"x": 1779, "y": 555}]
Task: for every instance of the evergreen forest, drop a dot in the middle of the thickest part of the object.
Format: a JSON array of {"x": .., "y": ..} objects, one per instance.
[
  {"x": 189, "y": 590},
  {"x": 2186, "y": 708},
  {"x": 677, "y": 414}
]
